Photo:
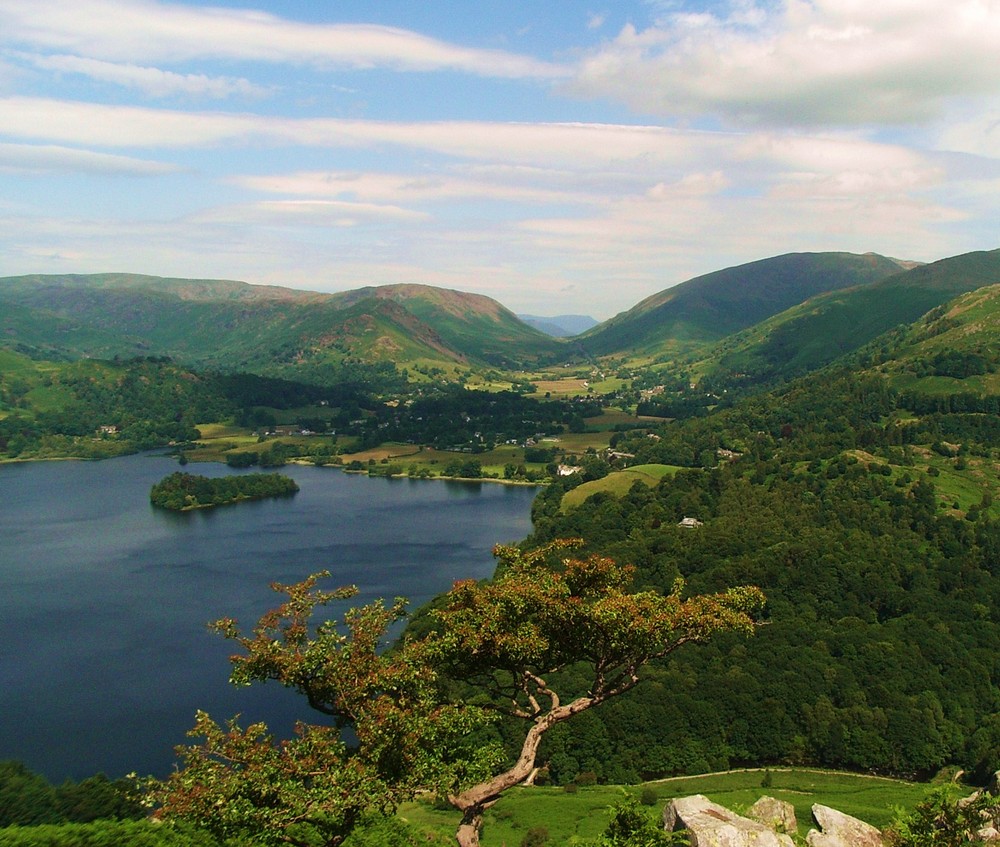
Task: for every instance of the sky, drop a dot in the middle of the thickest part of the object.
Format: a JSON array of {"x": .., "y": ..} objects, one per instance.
[{"x": 561, "y": 157}]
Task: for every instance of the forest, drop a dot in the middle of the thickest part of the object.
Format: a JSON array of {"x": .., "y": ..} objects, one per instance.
[
  {"x": 882, "y": 592},
  {"x": 94, "y": 409}
]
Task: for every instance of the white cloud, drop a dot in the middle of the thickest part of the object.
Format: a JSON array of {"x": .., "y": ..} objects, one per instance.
[
  {"x": 151, "y": 81},
  {"x": 803, "y": 62},
  {"x": 410, "y": 188},
  {"x": 150, "y": 31},
  {"x": 534, "y": 144},
  {"x": 596, "y": 20},
  {"x": 977, "y": 134},
  {"x": 34, "y": 158},
  {"x": 309, "y": 213}
]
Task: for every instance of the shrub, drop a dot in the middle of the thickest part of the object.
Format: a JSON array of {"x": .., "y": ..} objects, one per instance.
[{"x": 537, "y": 836}]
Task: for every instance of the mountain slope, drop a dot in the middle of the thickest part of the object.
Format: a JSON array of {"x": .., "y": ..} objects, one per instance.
[
  {"x": 953, "y": 349},
  {"x": 228, "y": 324},
  {"x": 710, "y": 307},
  {"x": 816, "y": 332}
]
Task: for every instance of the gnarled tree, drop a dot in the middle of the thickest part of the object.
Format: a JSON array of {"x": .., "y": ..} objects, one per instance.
[
  {"x": 506, "y": 637},
  {"x": 388, "y": 733},
  {"x": 510, "y": 636}
]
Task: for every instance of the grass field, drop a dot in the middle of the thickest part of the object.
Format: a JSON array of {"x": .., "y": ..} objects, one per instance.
[
  {"x": 584, "y": 813},
  {"x": 617, "y": 483}
]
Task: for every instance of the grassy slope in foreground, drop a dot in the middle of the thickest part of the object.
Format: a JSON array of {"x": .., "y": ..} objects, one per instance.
[
  {"x": 584, "y": 813},
  {"x": 617, "y": 483}
]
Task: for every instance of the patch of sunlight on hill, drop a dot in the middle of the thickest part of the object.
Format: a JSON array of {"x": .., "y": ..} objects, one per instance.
[{"x": 618, "y": 483}]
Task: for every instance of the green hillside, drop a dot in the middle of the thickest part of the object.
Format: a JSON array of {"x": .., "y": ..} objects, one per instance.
[
  {"x": 954, "y": 348},
  {"x": 486, "y": 330},
  {"x": 814, "y": 333},
  {"x": 710, "y": 307},
  {"x": 226, "y": 324}
]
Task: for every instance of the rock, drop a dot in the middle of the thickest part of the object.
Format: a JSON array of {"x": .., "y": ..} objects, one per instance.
[
  {"x": 775, "y": 814},
  {"x": 840, "y": 830},
  {"x": 994, "y": 786},
  {"x": 712, "y": 825}
]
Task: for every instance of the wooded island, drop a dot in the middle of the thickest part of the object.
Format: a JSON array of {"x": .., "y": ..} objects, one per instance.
[{"x": 182, "y": 492}]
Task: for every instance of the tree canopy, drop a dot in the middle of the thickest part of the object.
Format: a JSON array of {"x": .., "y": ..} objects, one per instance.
[
  {"x": 395, "y": 721},
  {"x": 509, "y": 636}
]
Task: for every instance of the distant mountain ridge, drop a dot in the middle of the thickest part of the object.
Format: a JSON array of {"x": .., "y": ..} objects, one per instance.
[
  {"x": 225, "y": 323},
  {"x": 561, "y": 326},
  {"x": 710, "y": 307},
  {"x": 758, "y": 323},
  {"x": 814, "y": 333}
]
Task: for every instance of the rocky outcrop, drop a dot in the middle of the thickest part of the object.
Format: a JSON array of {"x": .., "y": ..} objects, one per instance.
[
  {"x": 990, "y": 830},
  {"x": 712, "y": 825},
  {"x": 839, "y": 830},
  {"x": 775, "y": 814}
]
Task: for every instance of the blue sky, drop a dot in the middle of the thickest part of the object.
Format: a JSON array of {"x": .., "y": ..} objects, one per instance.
[{"x": 557, "y": 156}]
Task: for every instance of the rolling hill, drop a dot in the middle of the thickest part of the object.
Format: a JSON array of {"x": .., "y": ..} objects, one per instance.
[
  {"x": 953, "y": 349},
  {"x": 710, "y": 307},
  {"x": 228, "y": 324},
  {"x": 818, "y": 331}
]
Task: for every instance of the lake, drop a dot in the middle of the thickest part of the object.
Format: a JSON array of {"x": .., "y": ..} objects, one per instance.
[{"x": 104, "y": 650}]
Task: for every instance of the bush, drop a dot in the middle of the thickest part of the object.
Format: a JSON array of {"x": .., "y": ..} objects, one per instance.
[
  {"x": 941, "y": 820},
  {"x": 648, "y": 797},
  {"x": 537, "y": 836},
  {"x": 631, "y": 826},
  {"x": 106, "y": 834}
]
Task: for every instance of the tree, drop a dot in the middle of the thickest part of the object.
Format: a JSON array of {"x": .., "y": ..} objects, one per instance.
[
  {"x": 388, "y": 734},
  {"x": 509, "y": 637},
  {"x": 408, "y": 730}
]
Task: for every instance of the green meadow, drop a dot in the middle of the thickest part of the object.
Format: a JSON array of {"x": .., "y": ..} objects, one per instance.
[{"x": 571, "y": 816}]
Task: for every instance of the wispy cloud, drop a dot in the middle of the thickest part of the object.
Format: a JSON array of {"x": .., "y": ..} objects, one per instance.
[
  {"x": 798, "y": 63},
  {"x": 151, "y": 81},
  {"x": 411, "y": 188},
  {"x": 338, "y": 213},
  {"x": 35, "y": 158},
  {"x": 625, "y": 148},
  {"x": 150, "y": 31}
]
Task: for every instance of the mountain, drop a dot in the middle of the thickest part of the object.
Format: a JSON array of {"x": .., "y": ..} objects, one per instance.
[
  {"x": 710, "y": 307},
  {"x": 560, "y": 326},
  {"x": 818, "y": 331},
  {"x": 953, "y": 349},
  {"x": 230, "y": 324}
]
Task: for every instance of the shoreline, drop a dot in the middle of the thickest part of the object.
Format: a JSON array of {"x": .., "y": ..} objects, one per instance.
[
  {"x": 303, "y": 462},
  {"x": 343, "y": 469}
]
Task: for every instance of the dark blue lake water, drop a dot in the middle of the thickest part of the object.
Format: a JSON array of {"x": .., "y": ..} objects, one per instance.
[{"x": 104, "y": 652}]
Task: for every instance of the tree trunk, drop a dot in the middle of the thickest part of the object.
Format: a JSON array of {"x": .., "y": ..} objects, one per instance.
[
  {"x": 474, "y": 801},
  {"x": 468, "y": 830}
]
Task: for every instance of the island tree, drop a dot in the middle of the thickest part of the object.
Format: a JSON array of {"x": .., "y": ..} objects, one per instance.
[{"x": 397, "y": 723}]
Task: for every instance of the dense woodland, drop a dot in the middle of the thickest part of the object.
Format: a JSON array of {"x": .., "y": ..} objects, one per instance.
[
  {"x": 879, "y": 653},
  {"x": 97, "y": 409}
]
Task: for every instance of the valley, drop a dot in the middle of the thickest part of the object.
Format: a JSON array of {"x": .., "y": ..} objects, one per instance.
[{"x": 822, "y": 426}]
